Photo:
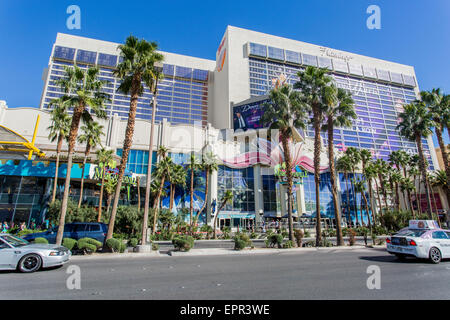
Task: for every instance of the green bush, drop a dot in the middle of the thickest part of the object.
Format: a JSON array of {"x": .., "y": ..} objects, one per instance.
[
  {"x": 69, "y": 243},
  {"x": 288, "y": 244},
  {"x": 396, "y": 220},
  {"x": 242, "y": 240},
  {"x": 183, "y": 242},
  {"x": 133, "y": 242},
  {"x": 379, "y": 230},
  {"x": 351, "y": 237},
  {"x": 267, "y": 242},
  {"x": 122, "y": 247},
  {"x": 226, "y": 232},
  {"x": 41, "y": 240},
  {"x": 25, "y": 232},
  {"x": 114, "y": 244},
  {"x": 253, "y": 235},
  {"x": 88, "y": 245},
  {"x": 276, "y": 239},
  {"x": 155, "y": 246}
]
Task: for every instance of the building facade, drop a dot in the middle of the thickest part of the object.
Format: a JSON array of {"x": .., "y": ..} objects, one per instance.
[{"x": 201, "y": 104}]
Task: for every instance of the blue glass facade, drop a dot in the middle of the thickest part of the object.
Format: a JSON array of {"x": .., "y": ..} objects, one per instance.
[
  {"x": 182, "y": 95},
  {"x": 241, "y": 183}
]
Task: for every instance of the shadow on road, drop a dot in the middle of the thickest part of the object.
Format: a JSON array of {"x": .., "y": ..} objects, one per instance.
[{"x": 392, "y": 259}]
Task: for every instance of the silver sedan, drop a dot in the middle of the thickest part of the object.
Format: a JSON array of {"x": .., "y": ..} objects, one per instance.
[{"x": 17, "y": 253}]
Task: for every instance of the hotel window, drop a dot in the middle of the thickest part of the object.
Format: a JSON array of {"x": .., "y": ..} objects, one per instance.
[
  {"x": 340, "y": 66},
  {"x": 293, "y": 56},
  {"x": 276, "y": 53},
  {"x": 383, "y": 75},
  {"x": 369, "y": 72},
  {"x": 325, "y": 63},
  {"x": 241, "y": 183},
  {"x": 396, "y": 77},
  {"x": 107, "y": 60},
  {"x": 64, "y": 53},
  {"x": 309, "y": 60},
  {"x": 86, "y": 56},
  {"x": 258, "y": 50},
  {"x": 355, "y": 69}
]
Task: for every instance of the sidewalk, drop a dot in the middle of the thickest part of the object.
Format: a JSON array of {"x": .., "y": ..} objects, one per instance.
[{"x": 222, "y": 251}]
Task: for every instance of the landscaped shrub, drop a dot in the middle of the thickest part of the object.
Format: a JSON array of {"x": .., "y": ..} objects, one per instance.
[
  {"x": 288, "y": 244},
  {"x": 253, "y": 235},
  {"x": 298, "y": 234},
  {"x": 242, "y": 240},
  {"x": 275, "y": 239},
  {"x": 351, "y": 237},
  {"x": 208, "y": 229},
  {"x": 25, "y": 232},
  {"x": 155, "y": 246},
  {"x": 69, "y": 243},
  {"x": 363, "y": 231},
  {"x": 379, "y": 230},
  {"x": 226, "y": 232},
  {"x": 183, "y": 243},
  {"x": 114, "y": 244},
  {"x": 41, "y": 240},
  {"x": 88, "y": 245},
  {"x": 133, "y": 242}
]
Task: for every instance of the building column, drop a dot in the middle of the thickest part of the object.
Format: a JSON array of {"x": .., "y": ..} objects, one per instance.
[{"x": 259, "y": 199}]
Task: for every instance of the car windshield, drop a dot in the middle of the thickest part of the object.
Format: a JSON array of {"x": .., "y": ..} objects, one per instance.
[
  {"x": 411, "y": 233},
  {"x": 14, "y": 241}
]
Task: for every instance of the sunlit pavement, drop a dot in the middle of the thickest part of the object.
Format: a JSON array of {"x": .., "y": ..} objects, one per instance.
[{"x": 319, "y": 274}]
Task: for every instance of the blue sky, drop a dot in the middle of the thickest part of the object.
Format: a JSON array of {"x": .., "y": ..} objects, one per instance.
[{"x": 413, "y": 32}]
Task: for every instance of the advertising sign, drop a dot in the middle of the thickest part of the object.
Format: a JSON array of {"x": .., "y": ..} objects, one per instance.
[
  {"x": 423, "y": 224},
  {"x": 249, "y": 116},
  {"x": 297, "y": 173}
]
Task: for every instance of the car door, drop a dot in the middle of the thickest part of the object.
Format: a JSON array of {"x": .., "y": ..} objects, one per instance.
[
  {"x": 447, "y": 246},
  {"x": 95, "y": 232},
  {"x": 6, "y": 255},
  {"x": 79, "y": 231},
  {"x": 442, "y": 242}
]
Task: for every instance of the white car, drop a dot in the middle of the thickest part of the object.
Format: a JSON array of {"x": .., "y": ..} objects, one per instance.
[
  {"x": 422, "y": 239},
  {"x": 17, "y": 253}
]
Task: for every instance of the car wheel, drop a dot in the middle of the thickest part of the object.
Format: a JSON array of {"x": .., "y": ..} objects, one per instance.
[
  {"x": 435, "y": 255},
  {"x": 30, "y": 263}
]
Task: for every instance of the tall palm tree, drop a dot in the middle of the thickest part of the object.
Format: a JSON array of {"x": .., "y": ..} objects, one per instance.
[
  {"x": 355, "y": 158},
  {"x": 177, "y": 178},
  {"x": 92, "y": 132},
  {"x": 110, "y": 187},
  {"x": 82, "y": 89},
  {"x": 209, "y": 165},
  {"x": 194, "y": 165},
  {"x": 396, "y": 180},
  {"x": 371, "y": 173},
  {"x": 439, "y": 106},
  {"x": 285, "y": 113},
  {"x": 59, "y": 130},
  {"x": 227, "y": 197},
  {"x": 340, "y": 113},
  {"x": 415, "y": 123},
  {"x": 317, "y": 92},
  {"x": 104, "y": 159},
  {"x": 408, "y": 185},
  {"x": 139, "y": 57},
  {"x": 360, "y": 186},
  {"x": 366, "y": 157},
  {"x": 343, "y": 165},
  {"x": 414, "y": 172},
  {"x": 162, "y": 172},
  {"x": 381, "y": 167}
]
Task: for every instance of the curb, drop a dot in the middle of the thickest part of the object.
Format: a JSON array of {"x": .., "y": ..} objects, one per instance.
[{"x": 115, "y": 255}]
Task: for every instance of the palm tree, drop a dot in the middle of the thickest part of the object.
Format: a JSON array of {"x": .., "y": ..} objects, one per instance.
[
  {"x": 110, "y": 187},
  {"x": 92, "y": 132},
  {"x": 194, "y": 165},
  {"x": 209, "y": 165},
  {"x": 316, "y": 92},
  {"x": 177, "y": 178},
  {"x": 371, "y": 173},
  {"x": 366, "y": 157},
  {"x": 339, "y": 114},
  {"x": 408, "y": 185},
  {"x": 227, "y": 197},
  {"x": 285, "y": 113},
  {"x": 355, "y": 158},
  {"x": 416, "y": 122},
  {"x": 162, "y": 171},
  {"x": 139, "y": 57},
  {"x": 360, "y": 186},
  {"x": 439, "y": 106},
  {"x": 82, "y": 89},
  {"x": 59, "y": 130},
  {"x": 396, "y": 178},
  {"x": 399, "y": 159},
  {"x": 381, "y": 167},
  {"x": 414, "y": 172},
  {"x": 104, "y": 159},
  {"x": 343, "y": 165}
]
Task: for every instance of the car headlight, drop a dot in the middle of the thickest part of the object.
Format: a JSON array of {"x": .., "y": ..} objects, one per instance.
[{"x": 56, "y": 253}]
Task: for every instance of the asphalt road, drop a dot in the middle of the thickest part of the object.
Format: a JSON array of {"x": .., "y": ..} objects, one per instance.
[{"x": 324, "y": 274}]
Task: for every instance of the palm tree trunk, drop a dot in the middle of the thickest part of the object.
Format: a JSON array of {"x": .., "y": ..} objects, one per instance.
[
  {"x": 355, "y": 205},
  {"x": 172, "y": 196},
  {"x": 191, "y": 195},
  {"x": 378, "y": 197},
  {"x": 100, "y": 201},
  {"x": 109, "y": 203},
  {"x": 411, "y": 204},
  {"x": 438, "y": 130},
  {"x": 139, "y": 193},
  {"x": 424, "y": 173},
  {"x": 397, "y": 195},
  {"x": 349, "y": 217},
  {"x": 72, "y": 139},
  {"x": 317, "y": 147},
  {"x": 206, "y": 196},
  {"x": 337, "y": 211},
  {"x": 126, "y": 150},
  {"x": 156, "y": 205},
  {"x": 58, "y": 152},
  {"x": 86, "y": 154},
  {"x": 369, "y": 181},
  {"x": 288, "y": 161},
  {"x": 367, "y": 208}
]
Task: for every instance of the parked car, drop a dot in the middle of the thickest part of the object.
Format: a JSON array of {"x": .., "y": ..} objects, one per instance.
[
  {"x": 74, "y": 230},
  {"x": 16, "y": 253},
  {"x": 422, "y": 239}
]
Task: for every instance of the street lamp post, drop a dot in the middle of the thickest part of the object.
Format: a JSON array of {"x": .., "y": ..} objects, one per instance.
[{"x": 158, "y": 67}]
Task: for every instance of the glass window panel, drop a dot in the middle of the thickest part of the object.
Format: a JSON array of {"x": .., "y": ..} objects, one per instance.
[
  {"x": 383, "y": 75},
  {"x": 293, "y": 56},
  {"x": 183, "y": 72},
  {"x": 200, "y": 74},
  {"x": 258, "y": 49},
  {"x": 355, "y": 69},
  {"x": 276, "y": 53},
  {"x": 64, "y": 53},
  {"x": 396, "y": 77},
  {"x": 309, "y": 60},
  {"x": 409, "y": 80},
  {"x": 86, "y": 56},
  {"x": 369, "y": 72},
  {"x": 168, "y": 69},
  {"x": 107, "y": 60},
  {"x": 340, "y": 65}
]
